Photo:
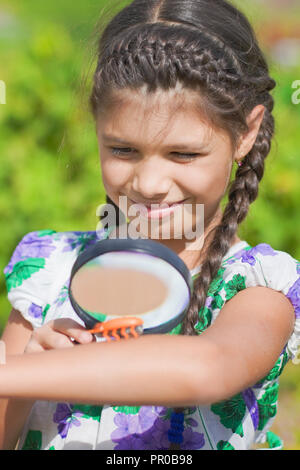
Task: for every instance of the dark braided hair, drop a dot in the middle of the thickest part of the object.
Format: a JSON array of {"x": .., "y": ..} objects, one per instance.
[{"x": 210, "y": 47}]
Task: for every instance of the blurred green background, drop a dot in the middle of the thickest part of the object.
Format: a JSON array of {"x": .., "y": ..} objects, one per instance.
[{"x": 50, "y": 172}]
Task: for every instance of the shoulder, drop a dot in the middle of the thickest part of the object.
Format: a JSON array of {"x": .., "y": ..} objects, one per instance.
[
  {"x": 40, "y": 263},
  {"x": 262, "y": 265},
  {"x": 37, "y": 249}
]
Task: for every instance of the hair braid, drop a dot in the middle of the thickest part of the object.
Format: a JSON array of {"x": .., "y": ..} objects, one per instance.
[{"x": 243, "y": 191}]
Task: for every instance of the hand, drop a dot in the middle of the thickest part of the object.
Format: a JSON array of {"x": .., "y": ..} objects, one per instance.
[{"x": 58, "y": 334}]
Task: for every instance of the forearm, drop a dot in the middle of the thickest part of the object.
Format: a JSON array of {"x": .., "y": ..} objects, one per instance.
[
  {"x": 151, "y": 370},
  {"x": 13, "y": 412},
  {"x": 13, "y": 415}
]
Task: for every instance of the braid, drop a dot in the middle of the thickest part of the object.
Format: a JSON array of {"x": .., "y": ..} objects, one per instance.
[
  {"x": 243, "y": 191},
  {"x": 230, "y": 81}
]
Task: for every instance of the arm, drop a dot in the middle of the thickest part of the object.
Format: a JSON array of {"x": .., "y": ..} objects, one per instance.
[
  {"x": 20, "y": 338},
  {"x": 239, "y": 349},
  {"x": 13, "y": 413}
]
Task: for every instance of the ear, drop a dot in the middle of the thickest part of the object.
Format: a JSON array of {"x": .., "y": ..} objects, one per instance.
[{"x": 248, "y": 139}]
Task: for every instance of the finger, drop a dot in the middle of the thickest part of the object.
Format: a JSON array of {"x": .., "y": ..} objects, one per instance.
[
  {"x": 72, "y": 329},
  {"x": 50, "y": 339},
  {"x": 33, "y": 346}
]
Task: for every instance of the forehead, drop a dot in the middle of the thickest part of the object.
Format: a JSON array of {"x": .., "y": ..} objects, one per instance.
[{"x": 144, "y": 116}]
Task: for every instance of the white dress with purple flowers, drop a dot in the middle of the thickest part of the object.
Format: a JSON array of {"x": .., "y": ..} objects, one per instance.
[{"x": 37, "y": 279}]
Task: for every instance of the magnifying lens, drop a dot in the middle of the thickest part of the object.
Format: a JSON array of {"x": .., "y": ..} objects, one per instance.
[{"x": 123, "y": 288}]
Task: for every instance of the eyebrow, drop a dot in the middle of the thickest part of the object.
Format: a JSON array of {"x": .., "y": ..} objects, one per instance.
[{"x": 178, "y": 145}]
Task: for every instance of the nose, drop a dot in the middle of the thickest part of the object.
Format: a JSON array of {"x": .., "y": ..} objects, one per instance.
[{"x": 151, "y": 179}]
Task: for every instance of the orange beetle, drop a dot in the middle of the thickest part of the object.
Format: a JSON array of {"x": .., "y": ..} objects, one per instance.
[{"x": 122, "y": 324}]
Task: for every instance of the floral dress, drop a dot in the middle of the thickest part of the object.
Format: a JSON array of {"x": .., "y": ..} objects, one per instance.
[{"x": 37, "y": 279}]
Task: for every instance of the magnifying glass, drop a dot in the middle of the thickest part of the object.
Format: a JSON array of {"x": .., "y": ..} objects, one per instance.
[{"x": 123, "y": 288}]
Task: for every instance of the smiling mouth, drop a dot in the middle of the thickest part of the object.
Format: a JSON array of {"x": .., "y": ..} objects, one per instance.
[
  {"x": 158, "y": 205},
  {"x": 155, "y": 210}
]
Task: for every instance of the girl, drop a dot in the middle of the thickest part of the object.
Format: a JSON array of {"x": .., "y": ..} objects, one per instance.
[{"x": 181, "y": 93}]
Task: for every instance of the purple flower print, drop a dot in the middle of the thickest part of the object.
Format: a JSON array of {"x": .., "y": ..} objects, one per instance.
[
  {"x": 248, "y": 256},
  {"x": 148, "y": 430},
  {"x": 145, "y": 430},
  {"x": 32, "y": 245},
  {"x": 160, "y": 410},
  {"x": 133, "y": 424},
  {"x": 65, "y": 417},
  {"x": 160, "y": 440},
  {"x": 133, "y": 442},
  {"x": 35, "y": 311},
  {"x": 64, "y": 293},
  {"x": 252, "y": 406},
  {"x": 192, "y": 440},
  {"x": 209, "y": 301},
  {"x": 192, "y": 422},
  {"x": 298, "y": 268},
  {"x": 127, "y": 434},
  {"x": 294, "y": 296},
  {"x": 80, "y": 239}
]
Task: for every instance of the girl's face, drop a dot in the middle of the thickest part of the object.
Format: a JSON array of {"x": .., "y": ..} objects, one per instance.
[{"x": 153, "y": 152}]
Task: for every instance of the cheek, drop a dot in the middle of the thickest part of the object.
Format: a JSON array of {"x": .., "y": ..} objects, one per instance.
[
  {"x": 207, "y": 183},
  {"x": 115, "y": 173}
]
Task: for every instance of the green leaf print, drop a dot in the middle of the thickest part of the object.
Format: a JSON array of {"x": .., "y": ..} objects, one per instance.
[
  {"x": 232, "y": 413},
  {"x": 285, "y": 360},
  {"x": 176, "y": 330},
  {"x": 44, "y": 233},
  {"x": 205, "y": 313},
  {"x": 236, "y": 284},
  {"x": 218, "y": 302},
  {"x": 217, "y": 283},
  {"x": 44, "y": 312},
  {"x": 23, "y": 270},
  {"x": 100, "y": 317},
  {"x": 128, "y": 410},
  {"x": 267, "y": 405},
  {"x": 205, "y": 317},
  {"x": 33, "y": 440},
  {"x": 277, "y": 370},
  {"x": 273, "y": 440},
  {"x": 273, "y": 374},
  {"x": 224, "y": 445},
  {"x": 89, "y": 411}
]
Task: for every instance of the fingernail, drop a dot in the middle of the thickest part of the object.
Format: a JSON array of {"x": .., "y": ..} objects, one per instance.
[{"x": 86, "y": 337}]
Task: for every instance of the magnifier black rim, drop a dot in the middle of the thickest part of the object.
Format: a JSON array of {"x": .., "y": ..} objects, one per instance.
[{"x": 144, "y": 246}]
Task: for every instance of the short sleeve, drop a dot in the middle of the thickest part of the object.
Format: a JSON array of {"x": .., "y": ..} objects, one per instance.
[
  {"x": 30, "y": 277},
  {"x": 264, "y": 266}
]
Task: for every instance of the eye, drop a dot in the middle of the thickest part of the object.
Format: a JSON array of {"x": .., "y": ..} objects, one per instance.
[
  {"x": 186, "y": 156},
  {"x": 120, "y": 151}
]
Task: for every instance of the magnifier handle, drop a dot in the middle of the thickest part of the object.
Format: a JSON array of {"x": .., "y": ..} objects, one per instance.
[{"x": 118, "y": 328}]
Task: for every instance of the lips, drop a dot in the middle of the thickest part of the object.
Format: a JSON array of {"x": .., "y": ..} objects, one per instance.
[
  {"x": 161, "y": 205},
  {"x": 154, "y": 212}
]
